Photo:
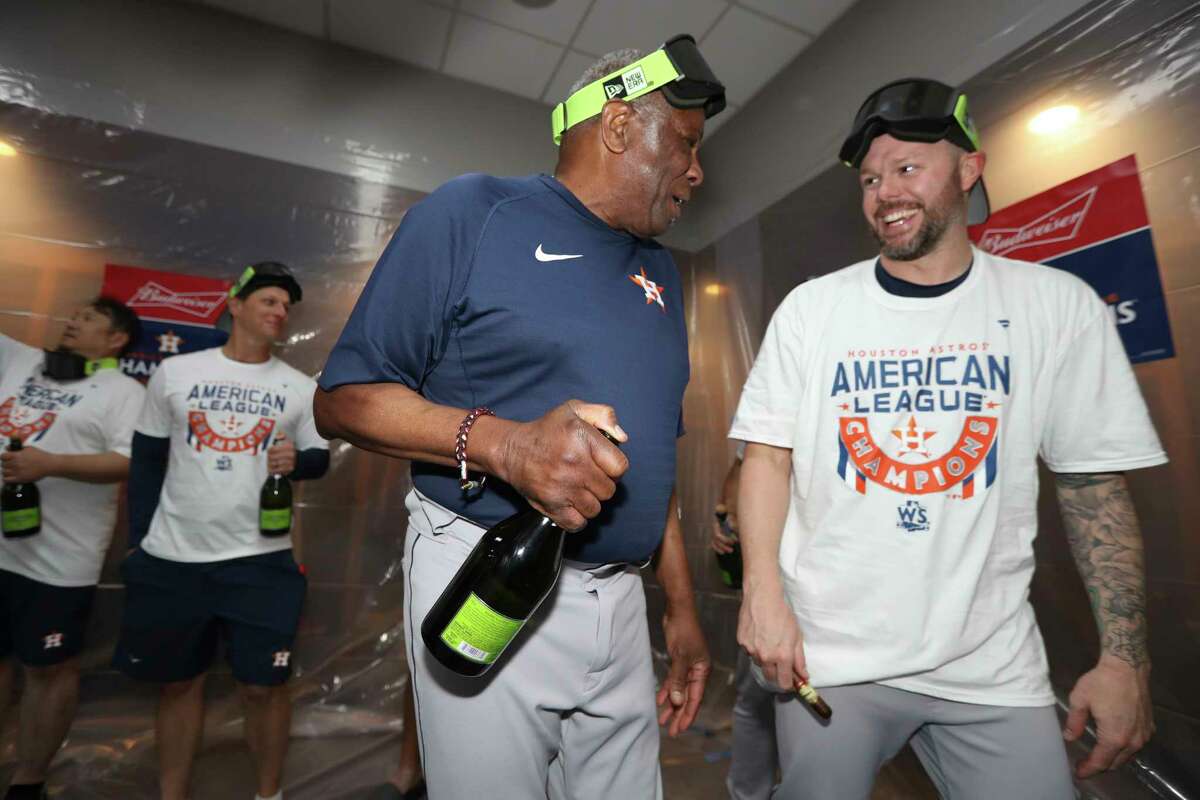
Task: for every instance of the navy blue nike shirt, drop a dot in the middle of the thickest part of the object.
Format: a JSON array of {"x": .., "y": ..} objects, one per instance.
[{"x": 509, "y": 293}]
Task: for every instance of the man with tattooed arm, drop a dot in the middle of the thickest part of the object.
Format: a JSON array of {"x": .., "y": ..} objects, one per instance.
[{"x": 888, "y": 502}]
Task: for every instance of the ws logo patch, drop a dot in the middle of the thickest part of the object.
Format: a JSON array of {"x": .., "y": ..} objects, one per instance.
[{"x": 913, "y": 518}]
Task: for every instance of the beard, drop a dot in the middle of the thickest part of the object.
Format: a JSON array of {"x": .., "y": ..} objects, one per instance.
[{"x": 947, "y": 209}]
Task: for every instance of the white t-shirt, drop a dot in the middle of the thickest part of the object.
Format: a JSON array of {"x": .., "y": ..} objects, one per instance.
[
  {"x": 221, "y": 416},
  {"x": 92, "y": 415},
  {"x": 915, "y": 425}
]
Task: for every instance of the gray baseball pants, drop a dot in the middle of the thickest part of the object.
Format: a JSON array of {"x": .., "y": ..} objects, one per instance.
[
  {"x": 567, "y": 712},
  {"x": 971, "y": 751}
]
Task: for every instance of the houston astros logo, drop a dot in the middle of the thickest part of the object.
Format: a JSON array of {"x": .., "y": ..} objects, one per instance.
[
  {"x": 169, "y": 342},
  {"x": 18, "y": 423},
  {"x": 912, "y": 439},
  {"x": 201, "y": 434},
  {"x": 653, "y": 290}
]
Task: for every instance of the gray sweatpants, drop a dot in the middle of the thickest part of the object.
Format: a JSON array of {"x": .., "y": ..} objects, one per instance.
[
  {"x": 971, "y": 752},
  {"x": 752, "y": 771},
  {"x": 567, "y": 712}
]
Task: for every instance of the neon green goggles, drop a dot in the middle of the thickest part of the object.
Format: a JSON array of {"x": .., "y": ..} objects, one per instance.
[{"x": 677, "y": 68}]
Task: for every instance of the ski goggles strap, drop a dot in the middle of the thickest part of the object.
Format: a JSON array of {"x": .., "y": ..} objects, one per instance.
[{"x": 628, "y": 83}]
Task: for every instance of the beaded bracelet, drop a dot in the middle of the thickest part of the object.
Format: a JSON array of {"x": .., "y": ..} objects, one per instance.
[{"x": 460, "y": 448}]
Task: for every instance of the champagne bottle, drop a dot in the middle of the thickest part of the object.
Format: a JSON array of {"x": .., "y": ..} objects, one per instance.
[
  {"x": 731, "y": 562},
  {"x": 497, "y": 589},
  {"x": 20, "y": 505},
  {"x": 275, "y": 506}
]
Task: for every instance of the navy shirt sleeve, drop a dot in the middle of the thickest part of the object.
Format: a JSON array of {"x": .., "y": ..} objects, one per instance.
[{"x": 400, "y": 325}]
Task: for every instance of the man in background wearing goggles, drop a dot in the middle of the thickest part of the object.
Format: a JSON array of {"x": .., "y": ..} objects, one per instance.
[
  {"x": 894, "y": 574},
  {"x": 517, "y": 294}
]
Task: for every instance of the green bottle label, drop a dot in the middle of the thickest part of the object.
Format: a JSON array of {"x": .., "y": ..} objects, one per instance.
[
  {"x": 22, "y": 520},
  {"x": 275, "y": 519},
  {"x": 479, "y": 633}
]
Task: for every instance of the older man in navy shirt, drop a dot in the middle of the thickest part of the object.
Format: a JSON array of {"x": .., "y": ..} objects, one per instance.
[{"x": 519, "y": 294}]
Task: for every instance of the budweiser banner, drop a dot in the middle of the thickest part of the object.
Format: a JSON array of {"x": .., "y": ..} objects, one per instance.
[
  {"x": 1094, "y": 226},
  {"x": 178, "y": 312}
]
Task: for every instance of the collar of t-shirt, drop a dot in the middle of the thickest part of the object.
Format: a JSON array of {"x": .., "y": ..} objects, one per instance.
[
  {"x": 902, "y": 288},
  {"x": 575, "y": 203}
]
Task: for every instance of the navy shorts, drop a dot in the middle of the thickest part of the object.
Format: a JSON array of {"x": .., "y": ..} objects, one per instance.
[
  {"x": 42, "y": 623},
  {"x": 176, "y": 611}
]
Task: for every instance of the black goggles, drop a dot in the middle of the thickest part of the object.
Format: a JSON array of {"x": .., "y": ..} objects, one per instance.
[
  {"x": 267, "y": 273},
  {"x": 699, "y": 87},
  {"x": 913, "y": 109}
]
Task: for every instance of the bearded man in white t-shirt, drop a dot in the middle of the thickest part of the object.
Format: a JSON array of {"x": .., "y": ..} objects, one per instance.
[
  {"x": 202, "y": 568},
  {"x": 895, "y": 415},
  {"x": 74, "y": 413}
]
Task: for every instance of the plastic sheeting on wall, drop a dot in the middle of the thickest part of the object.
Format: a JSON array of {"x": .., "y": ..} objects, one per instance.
[
  {"x": 82, "y": 194},
  {"x": 79, "y": 195}
]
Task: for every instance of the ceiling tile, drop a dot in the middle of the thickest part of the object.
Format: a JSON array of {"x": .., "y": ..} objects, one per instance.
[
  {"x": 407, "y": 30},
  {"x": 500, "y": 58},
  {"x": 746, "y": 50},
  {"x": 616, "y": 24},
  {"x": 572, "y": 67},
  {"x": 301, "y": 16},
  {"x": 812, "y": 16},
  {"x": 556, "y": 21}
]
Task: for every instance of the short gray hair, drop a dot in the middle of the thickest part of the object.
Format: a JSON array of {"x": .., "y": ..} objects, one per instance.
[{"x": 606, "y": 65}]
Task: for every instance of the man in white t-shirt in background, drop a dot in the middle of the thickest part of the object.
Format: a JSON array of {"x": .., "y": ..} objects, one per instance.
[
  {"x": 74, "y": 412},
  {"x": 216, "y": 424},
  {"x": 895, "y": 415}
]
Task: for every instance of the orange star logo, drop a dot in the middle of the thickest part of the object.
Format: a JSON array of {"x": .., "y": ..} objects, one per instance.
[
  {"x": 653, "y": 290},
  {"x": 912, "y": 439}
]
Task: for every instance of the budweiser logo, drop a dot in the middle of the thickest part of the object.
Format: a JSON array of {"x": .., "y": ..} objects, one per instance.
[
  {"x": 1058, "y": 225},
  {"x": 196, "y": 304}
]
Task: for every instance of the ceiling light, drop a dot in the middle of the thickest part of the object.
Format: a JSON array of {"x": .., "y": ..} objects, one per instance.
[
  {"x": 1054, "y": 120},
  {"x": 713, "y": 288},
  {"x": 7, "y": 149}
]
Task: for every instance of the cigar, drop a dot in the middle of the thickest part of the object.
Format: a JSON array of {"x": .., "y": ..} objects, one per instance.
[{"x": 810, "y": 696}]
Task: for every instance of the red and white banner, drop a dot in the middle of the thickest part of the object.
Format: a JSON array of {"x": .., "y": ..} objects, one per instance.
[
  {"x": 1096, "y": 227},
  {"x": 178, "y": 312}
]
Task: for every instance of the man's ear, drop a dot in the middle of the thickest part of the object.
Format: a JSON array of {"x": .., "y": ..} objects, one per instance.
[
  {"x": 970, "y": 169},
  {"x": 614, "y": 125}
]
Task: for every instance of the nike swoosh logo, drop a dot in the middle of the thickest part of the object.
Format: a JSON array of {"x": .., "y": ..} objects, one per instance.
[{"x": 542, "y": 255}]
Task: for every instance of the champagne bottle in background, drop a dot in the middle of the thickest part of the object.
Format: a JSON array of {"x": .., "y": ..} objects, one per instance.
[
  {"x": 20, "y": 505},
  {"x": 275, "y": 506},
  {"x": 731, "y": 562},
  {"x": 494, "y": 593}
]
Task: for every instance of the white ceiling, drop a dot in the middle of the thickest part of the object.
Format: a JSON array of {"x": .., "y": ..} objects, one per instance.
[{"x": 539, "y": 52}]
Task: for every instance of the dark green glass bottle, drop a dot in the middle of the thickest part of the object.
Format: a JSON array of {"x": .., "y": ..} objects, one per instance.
[
  {"x": 731, "y": 562},
  {"x": 275, "y": 506},
  {"x": 494, "y": 593},
  {"x": 504, "y": 580},
  {"x": 20, "y": 505}
]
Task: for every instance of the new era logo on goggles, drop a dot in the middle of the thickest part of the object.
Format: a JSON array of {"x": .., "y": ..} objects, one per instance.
[
  {"x": 912, "y": 110},
  {"x": 677, "y": 68}
]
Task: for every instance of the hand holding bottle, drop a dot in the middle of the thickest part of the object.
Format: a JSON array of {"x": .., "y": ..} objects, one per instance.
[
  {"x": 562, "y": 464},
  {"x": 281, "y": 456},
  {"x": 26, "y": 465}
]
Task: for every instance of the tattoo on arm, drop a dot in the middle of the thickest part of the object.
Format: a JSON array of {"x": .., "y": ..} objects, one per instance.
[{"x": 1102, "y": 529}]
